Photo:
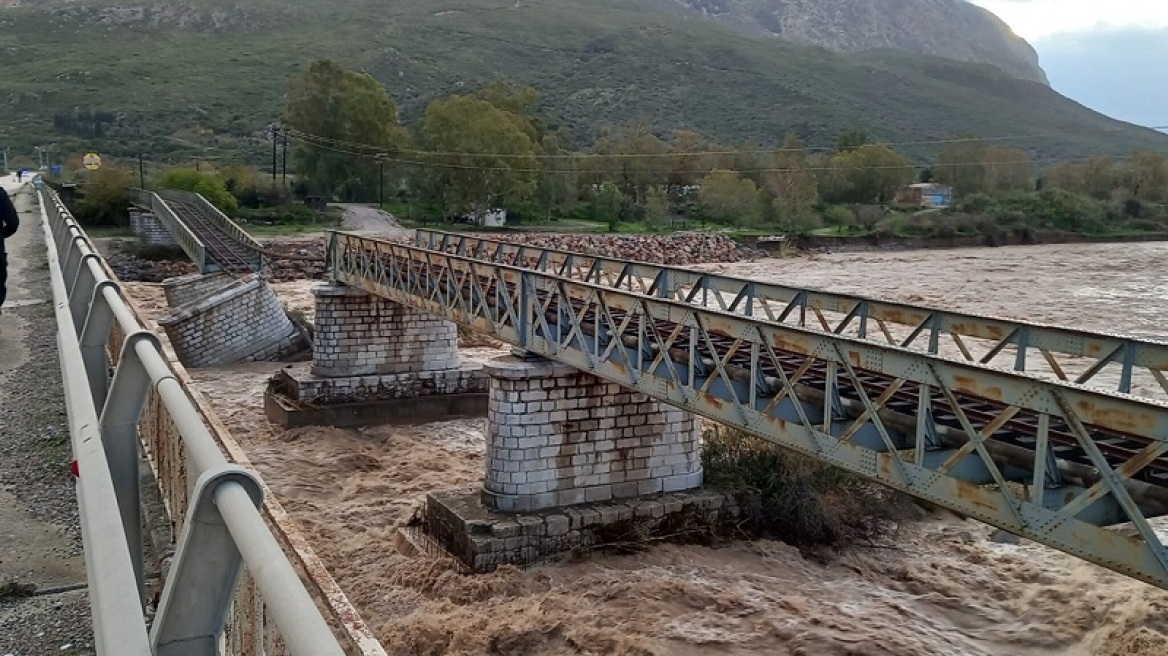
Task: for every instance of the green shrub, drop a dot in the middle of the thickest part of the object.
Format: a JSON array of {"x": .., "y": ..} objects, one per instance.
[
  {"x": 974, "y": 204},
  {"x": 209, "y": 185},
  {"x": 285, "y": 214},
  {"x": 799, "y": 500},
  {"x": 1143, "y": 225},
  {"x": 838, "y": 216}
]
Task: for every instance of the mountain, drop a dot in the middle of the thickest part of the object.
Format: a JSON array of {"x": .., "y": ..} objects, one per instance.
[
  {"x": 953, "y": 29},
  {"x": 205, "y": 78}
]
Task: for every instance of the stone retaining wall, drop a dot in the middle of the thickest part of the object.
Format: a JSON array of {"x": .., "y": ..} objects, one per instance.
[{"x": 557, "y": 436}]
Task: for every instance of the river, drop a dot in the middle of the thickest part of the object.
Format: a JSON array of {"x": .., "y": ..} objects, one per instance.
[{"x": 945, "y": 588}]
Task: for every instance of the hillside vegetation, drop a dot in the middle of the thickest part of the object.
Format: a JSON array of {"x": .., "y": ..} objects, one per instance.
[{"x": 206, "y": 78}]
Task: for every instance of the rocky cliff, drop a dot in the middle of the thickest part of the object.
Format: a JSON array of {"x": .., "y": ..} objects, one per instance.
[{"x": 953, "y": 29}]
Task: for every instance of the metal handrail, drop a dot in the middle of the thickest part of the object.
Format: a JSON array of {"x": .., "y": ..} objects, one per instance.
[
  {"x": 183, "y": 236},
  {"x": 223, "y": 529},
  {"x": 111, "y": 572},
  {"x": 867, "y": 318}
]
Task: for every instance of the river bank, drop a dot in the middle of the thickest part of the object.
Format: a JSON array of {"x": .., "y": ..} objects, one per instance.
[{"x": 877, "y": 243}]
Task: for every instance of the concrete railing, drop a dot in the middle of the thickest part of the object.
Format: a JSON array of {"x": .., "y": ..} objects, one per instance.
[
  {"x": 187, "y": 240},
  {"x": 234, "y": 585}
]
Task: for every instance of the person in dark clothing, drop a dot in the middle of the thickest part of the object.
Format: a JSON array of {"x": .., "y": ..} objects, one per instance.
[{"x": 9, "y": 222}]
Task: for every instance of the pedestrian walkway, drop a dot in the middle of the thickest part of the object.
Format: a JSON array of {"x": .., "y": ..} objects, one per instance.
[{"x": 40, "y": 543}]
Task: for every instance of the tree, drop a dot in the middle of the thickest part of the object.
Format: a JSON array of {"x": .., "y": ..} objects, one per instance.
[
  {"x": 1007, "y": 169},
  {"x": 869, "y": 174},
  {"x": 1096, "y": 177},
  {"x": 972, "y": 166},
  {"x": 685, "y": 164},
  {"x": 342, "y": 119},
  {"x": 729, "y": 198},
  {"x": 555, "y": 187},
  {"x": 606, "y": 205},
  {"x": 1144, "y": 176},
  {"x": 518, "y": 101},
  {"x": 105, "y": 197},
  {"x": 794, "y": 187},
  {"x": 961, "y": 165},
  {"x": 850, "y": 140},
  {"x": 482, "y": 154},
  {"x": 633, "y": 157}
]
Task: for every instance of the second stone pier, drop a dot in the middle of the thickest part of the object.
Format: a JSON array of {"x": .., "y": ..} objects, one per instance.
[
  {"x": 375, "y": 360},
  {"x": 557, "y": 436}
]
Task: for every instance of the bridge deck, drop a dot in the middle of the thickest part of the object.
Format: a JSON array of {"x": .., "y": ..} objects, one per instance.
[
  {"x": 953, "y": 433},
  {"x": 229, "y": 254}
]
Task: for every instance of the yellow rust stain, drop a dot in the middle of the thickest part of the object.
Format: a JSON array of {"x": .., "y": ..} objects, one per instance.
[
  {"x": 1140, "y": 423},
  {"x": 854, "y": 358},
  {"x": 969, "y": 385},
  {"x": 973, "y": 495},
  {"x": 897, "y": 316},
  {"x": 714, "y": 401},
  {"x": 1095, "y": 350}
]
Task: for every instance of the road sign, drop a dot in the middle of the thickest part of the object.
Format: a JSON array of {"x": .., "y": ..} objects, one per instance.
[{"x": 91, "y": 161}]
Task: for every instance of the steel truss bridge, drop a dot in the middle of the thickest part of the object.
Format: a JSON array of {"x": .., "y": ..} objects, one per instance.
[{"x": 857, "y": 383}]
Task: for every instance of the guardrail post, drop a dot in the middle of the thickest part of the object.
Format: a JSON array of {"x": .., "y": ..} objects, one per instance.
[
  {"x": 119, "y": 435},
  {"x": 94, "y": 333},
  {"x": 206, "y": 567},
  {"x": 80, "y": 290}
]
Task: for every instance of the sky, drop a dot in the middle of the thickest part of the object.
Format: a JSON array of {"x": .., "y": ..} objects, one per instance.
[{"x": 1110, "y": 55}]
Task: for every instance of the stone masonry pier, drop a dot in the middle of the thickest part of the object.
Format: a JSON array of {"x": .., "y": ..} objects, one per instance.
[
  {"x": 557, "y": 436},
  {"x": 149, "y": 229},
  {"x": 572, "y": 461},
  {"x": 375, "y": 360}
]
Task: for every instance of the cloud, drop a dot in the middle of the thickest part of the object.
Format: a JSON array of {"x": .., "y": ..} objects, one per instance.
[
  {"x": 1040, "y": 19},
  {"x": 1120, "y": 72}
]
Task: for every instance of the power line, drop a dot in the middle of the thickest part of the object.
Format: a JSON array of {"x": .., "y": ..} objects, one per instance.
[
  {"x": 388, "y": 157},
  {"x": 701, "y": 153}
]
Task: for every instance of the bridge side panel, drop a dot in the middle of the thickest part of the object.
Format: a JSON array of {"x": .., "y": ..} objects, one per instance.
[{"x": 557, "y": 436}]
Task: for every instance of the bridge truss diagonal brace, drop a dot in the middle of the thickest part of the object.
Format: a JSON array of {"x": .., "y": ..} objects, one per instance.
[{"x": 207, "y": 564}]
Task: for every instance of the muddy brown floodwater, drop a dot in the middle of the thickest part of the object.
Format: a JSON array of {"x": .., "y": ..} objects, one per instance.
[{"x": 945, "y": 589}]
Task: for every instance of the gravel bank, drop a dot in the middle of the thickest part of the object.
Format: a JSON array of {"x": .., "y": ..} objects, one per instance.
[{"x": 34, "y": 471}]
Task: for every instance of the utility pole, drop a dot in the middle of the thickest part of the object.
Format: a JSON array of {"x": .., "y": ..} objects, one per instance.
[
  {"x": 284, "y": 163},
  {"x": 380, "y": 182},
  {"x": 275, "y": 129},
  {"x": 141, "y": 173}
]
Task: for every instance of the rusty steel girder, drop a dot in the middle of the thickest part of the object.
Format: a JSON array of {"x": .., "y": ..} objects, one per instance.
[
  {"x": 957, "y": 434},
  {"x": 1085, "y": 355}
]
